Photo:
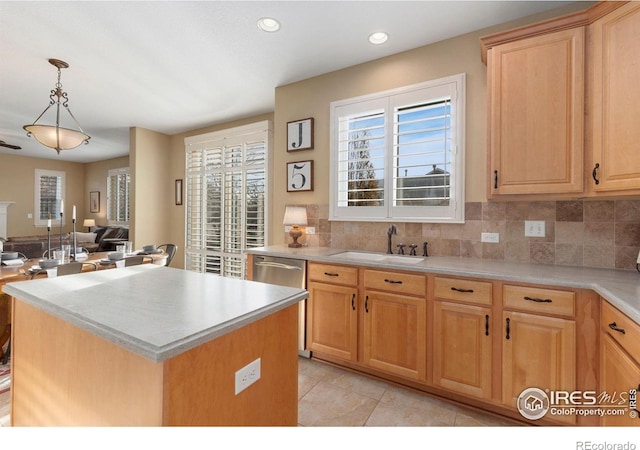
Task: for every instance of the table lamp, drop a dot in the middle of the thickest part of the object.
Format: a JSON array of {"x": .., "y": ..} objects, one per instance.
[
  {"x": 295, "y": 216},
  {"x": 89, "y": 223}
]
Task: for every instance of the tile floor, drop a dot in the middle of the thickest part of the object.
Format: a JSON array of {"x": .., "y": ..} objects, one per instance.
[{"x": 330, "y": 396}]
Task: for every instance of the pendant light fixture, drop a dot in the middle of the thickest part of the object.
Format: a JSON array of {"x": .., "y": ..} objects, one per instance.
[{"x": 54, "y": 136}]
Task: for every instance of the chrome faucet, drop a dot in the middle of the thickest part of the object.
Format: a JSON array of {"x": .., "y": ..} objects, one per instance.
[{"x": 391, "y": 231}]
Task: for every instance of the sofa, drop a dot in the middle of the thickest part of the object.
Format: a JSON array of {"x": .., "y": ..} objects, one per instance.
[{"x": 35, "y": 246}]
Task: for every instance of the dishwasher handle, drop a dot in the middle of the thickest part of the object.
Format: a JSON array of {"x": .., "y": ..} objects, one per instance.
[{"x": 277, "y": 265}]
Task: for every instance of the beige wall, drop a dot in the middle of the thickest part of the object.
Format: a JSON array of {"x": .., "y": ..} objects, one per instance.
[
  {"x": 17, "y": 185},
  {"x": 312, "y": 97},
  {"x": 152, "y": 197},
  {"x": 96, "y": 180}
]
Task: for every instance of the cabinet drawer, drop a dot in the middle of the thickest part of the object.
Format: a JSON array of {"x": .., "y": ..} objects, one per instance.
[
  {"x": 545, "y": 301},
  {"x": 629, "y": 340},
  {"x": 478, "y": 292},
  {"x": 400, "y": 283},
  {"x": 333, "y": 274}
]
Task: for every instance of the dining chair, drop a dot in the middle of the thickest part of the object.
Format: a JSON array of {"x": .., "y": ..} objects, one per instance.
[
  {"x": 170, "y": 250},
  {"x": 137, "y": 260},
  {"x": 74, "y": 267}
]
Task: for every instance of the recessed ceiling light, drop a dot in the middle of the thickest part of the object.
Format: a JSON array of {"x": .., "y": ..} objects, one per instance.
[
  {"x": 379, "y": 37},
  {"x": 268, "y": 24}
]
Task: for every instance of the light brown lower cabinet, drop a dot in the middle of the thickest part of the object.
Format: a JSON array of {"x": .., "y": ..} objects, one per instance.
[
  {"x": 537, "y": 351},
  {"x": 332, "y": 320},
  {"x": 395, "y": 334},
  {"x": 462, "y": 348},
  {"x": 620, "y": 365},
  {"x": 619, "y": 375}
]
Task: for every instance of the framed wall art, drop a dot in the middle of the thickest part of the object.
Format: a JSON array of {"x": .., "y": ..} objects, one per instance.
[
  {"x": 300, "y": 176},
  {"x": 300, "y": 135},
  {"x": 94, "y": 201}
]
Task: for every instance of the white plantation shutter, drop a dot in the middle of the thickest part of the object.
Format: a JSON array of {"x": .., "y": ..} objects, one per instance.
[
  {"x": 399, "y": 154},
  {"x": 225, "y": 198},
  {"x": 118, "y": 193}
]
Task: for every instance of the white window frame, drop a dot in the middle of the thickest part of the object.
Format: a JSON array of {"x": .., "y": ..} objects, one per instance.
[
  {"x": 55, "y": 218},
  {"x": 113, "y": 173},
  {"x": 197, "y": 255},
  {"x": 452, "y": 87}
]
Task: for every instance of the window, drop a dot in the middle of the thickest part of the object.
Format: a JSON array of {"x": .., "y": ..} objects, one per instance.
[
  {"x": 49, "y": 192},
  {"x": 399, "y": 155},
  {"x": 226, "y": 184},
  {"x": 118, "y": 185}
]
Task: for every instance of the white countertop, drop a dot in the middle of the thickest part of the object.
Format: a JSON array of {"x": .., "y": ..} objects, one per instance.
[
  {"x": 620, "y": 287},
  {"x": 156, "y": 312}
]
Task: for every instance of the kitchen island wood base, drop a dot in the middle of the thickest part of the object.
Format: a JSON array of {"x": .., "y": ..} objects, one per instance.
[{"x": 65, "y": 376}]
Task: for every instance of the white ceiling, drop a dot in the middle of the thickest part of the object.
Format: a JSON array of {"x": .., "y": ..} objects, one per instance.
[{"x": 174, "y": 66}]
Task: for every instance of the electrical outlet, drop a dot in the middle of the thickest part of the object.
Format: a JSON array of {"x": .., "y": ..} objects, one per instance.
[
  {"x": 248, "y": 375},
  {"x": 493, "y": 238},
  {"x": 534, "y": 228},
  {"x": 311, "y": 230}
]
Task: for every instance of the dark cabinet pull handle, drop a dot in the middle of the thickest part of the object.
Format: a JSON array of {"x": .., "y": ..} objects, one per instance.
[
  {"x": 392, "y": 281},
  {"x": 332, "y": 274},
  {"x": 594, "y": 173},
  {"x": 495, "y": 179},
  {"x": 353, "y": 302},
  {"x": 462, "y": 290},
  {"x": 486, "y": 325},
  {"x": 508, "y": 328},
  {"x": 366, "y": 304},
  {"x": 614, "y": 327},
  {"x": 539, "y": 300}
]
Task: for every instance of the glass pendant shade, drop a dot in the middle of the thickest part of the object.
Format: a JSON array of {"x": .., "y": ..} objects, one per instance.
[{"x": 57, "y": 137}]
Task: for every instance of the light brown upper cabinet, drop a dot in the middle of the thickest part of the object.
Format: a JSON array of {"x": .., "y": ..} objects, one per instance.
[
  {"x": 562, "y": 105},
  {"x": 536, "y": 114},
  {"x": 614, "y": 108}
]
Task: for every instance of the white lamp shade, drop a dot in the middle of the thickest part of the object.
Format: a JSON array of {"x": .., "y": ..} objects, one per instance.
[
  {"x": 89, "y": 223},
  {"x": 58, "y": 138},
  {"x": 295, "y": 215}
]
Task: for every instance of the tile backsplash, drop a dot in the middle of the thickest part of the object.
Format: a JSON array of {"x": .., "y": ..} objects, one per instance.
[{"x": 590, "y": 233}]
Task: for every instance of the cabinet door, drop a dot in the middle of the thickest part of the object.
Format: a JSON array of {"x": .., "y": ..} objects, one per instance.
[
  {"x": 536, "y": 114},
  {"x": 332, "y": 320},
  {"x": 615, "y": 105},
  {"x": 395, "y": 334},
  {"x": 462, "y": 349},
  {"x": 537, "y": 351},
  {"x": 618, "y": 375}
]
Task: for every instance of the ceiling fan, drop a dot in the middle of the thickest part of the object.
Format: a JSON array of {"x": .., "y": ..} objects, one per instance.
[{"x": 14, "y": 147}]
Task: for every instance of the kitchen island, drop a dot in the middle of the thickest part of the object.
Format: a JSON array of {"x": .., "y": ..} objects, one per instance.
[{"x": 151, "y": 346}]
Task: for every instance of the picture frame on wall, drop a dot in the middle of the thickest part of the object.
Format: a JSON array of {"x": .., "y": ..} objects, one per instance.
[
  {"x": 300, "y": 176},
  {"x": 94, "y": 201},
  {"x": 300, "y": 135},
  {"x": 178, "y": 193}
]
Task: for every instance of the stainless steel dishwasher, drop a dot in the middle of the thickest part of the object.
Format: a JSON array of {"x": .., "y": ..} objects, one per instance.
[{"x": 285, "y": 272}]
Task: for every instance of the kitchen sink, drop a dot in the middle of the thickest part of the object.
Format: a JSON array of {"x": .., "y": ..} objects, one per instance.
[
  {"x": 402, "y": 259},
  {"x": 360, "y": 256},
  {"x": 377, "y": 257}
]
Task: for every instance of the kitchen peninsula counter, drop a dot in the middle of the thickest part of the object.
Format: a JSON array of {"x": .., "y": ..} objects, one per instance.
[
  {"x": 621, "y": 288},
  {"x": 150, "y": 345}
]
